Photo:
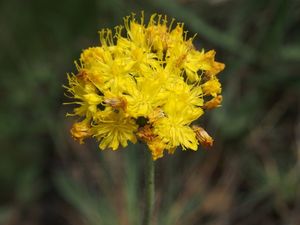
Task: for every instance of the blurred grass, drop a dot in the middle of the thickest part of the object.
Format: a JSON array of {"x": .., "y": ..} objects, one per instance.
[{"x": 250, "y": 177}]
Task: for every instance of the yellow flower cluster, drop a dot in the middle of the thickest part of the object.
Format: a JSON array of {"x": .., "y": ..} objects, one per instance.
[{"x": 146, "y": 82}]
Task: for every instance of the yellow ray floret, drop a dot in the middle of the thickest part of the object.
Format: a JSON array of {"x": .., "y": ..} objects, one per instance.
[{"x": 114, "y": 130}]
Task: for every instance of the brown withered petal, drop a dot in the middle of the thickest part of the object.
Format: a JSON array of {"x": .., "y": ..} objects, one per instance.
[
  {"x": 213, "y": 103},
  {"x": 116, "y": 103},
  {"x": 80, "y": 131},
  {"x": 202, "y": 136}
]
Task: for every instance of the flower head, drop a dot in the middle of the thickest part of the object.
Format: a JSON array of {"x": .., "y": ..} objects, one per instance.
[{"x": 149, "y": 72}]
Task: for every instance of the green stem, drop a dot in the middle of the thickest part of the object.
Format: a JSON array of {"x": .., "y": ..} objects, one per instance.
[{"x": 149, "y": 186}]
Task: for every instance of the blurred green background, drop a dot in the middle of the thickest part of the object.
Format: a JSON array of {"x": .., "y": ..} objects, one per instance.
[{"x": 251, "y": 175}]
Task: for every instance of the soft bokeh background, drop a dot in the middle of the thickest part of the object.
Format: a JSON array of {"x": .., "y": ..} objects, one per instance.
[{"x": 250, "y": 176}]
